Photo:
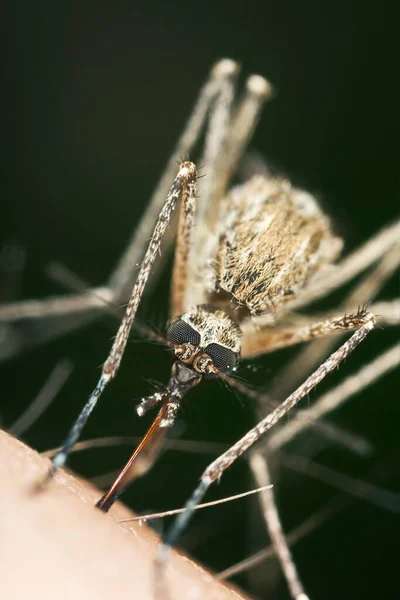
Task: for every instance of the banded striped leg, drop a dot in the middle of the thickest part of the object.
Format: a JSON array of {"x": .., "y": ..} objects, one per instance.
[
  {"x": 306, "y": 418},
  {"x": 185, "y": 183},
  {"x": 348, "y": 439},
  {"x": 269, "y": 339},
  {"x": 214, "y": 471},
  {"x": 148, "y": 448}
]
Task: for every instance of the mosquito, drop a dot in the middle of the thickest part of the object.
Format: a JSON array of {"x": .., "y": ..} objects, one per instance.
[{"x": 246, "y": 259}]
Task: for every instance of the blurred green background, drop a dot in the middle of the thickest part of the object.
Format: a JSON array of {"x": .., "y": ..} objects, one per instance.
[{"x": 95, "y": 96}]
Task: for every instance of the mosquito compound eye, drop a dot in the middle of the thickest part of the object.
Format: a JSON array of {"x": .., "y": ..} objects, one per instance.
[
  {"x": 224, "y": 359},
  {"x": 181, "y": 332}
]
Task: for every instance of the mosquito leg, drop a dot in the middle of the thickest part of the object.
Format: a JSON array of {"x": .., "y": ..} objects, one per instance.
[
  {"x": 348, "y": 439},
  {"x": 205, "y": 239},
  {"x": 185, "y": 183},
  {"x": 352, "y": 265},
  {"x": 216, "y": 134},
  {"x": 259, "y": 468},
  {"x": 64, "y": 276},
  {"x": 329, "y": 510},
  {"x": 334, "y": 398},
  {"x": 43, "y": 322},
  {"x": 241, "y": 129},
  {"x": 183, "y": 244},
  {"x": 54, "y": 306},
  {"x": 313, "y": 522},
  {"x": 85, "y": 306},
  {"x": 387, "y": 313},
  {"x": 304, "y": 363},
  {"x": 121, "y": 279},
  {"x": 16, "y": 338},
  {"x": 226, "y": 140},
  {"x": 215, "y": 469},
  {"x": 192, "y": 446},
  {"x": 268, "y": 339}
]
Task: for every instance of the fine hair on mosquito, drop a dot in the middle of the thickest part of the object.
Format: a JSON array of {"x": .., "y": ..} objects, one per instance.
[{"x": 248, "y": 261}]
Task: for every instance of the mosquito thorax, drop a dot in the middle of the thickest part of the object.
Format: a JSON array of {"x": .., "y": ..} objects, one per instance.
[{"x": 208, "y": 340}]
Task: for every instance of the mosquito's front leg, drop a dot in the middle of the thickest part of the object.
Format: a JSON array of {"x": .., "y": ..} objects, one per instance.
[
  {"x": 185, "y": 184},
  {"x": 182, "y": 250},
  {"x": 214, "y": 471},
  {"x": 268, "y": 339}
]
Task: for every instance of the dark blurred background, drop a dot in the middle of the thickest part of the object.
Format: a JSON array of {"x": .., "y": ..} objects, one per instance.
[{"x": 95, "y": 95}]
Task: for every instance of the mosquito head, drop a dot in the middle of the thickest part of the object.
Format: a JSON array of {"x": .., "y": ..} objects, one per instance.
[{"x": 207, "y": 340}]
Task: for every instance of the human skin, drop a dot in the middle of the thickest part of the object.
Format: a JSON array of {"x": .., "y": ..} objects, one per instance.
[{"x": 56, "y": 545}]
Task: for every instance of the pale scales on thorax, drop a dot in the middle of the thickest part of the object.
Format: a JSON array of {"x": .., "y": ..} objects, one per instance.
[{"x": 271, "y": 241}]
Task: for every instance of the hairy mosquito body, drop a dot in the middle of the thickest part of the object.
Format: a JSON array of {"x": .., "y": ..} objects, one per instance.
[
  {"x": 245, "y": 259},
  {"x": 270, "y": 241}
]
